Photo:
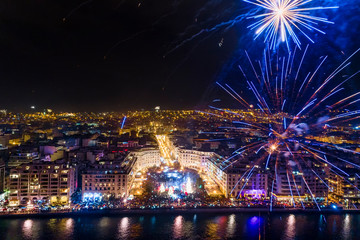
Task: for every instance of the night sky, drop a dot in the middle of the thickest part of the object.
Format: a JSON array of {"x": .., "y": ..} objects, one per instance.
[{"x": 114, "y": 55}]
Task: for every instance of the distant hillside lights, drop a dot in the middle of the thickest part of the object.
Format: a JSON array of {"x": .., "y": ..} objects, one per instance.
[{"x": 3, "y": 112}]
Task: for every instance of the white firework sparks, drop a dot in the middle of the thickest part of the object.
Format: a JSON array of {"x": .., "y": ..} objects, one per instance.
[
  {"x": 285, "y": 17},
  {"x": 292, "y": 114}
]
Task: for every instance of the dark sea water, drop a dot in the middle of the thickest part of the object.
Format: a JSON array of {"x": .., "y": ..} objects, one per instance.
[{"x": 186, "y": 226}]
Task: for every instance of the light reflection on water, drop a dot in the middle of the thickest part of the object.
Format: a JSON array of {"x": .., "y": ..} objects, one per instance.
[
  {"x": 185, "y": 226},
  {"x": 290, "y": 232},
  {"x": 129, "y": 229},
  {"x": 27, "y": 228},
  {"x": 69, "y": 223},
  {"x": 153, "y": 221},
  {"x": 346, "y": 233},
  {"x": 212, "y": 231},
  {"x": 123, "y": 228},
  {"x": 104, "y": 222},
  {"x": 178, "y": 225},
  {"x": 231, "y": 225}
]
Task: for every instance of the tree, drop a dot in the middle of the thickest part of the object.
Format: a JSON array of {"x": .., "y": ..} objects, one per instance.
[
  {"x": 199, "y": 183},
  {"x": 148, "y": 189},
  {"x": 112, "y": 197},
  {"x": 76, "y": 196}
]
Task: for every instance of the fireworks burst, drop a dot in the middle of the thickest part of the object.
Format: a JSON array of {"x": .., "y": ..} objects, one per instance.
[
  {"x": 295, "y": 116},
  {"x": 285, "y": 17}
]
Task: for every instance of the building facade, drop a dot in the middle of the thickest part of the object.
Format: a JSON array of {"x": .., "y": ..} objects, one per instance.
[
  {"x": 52, "y": 183},
  {"x": 23, "y": 157},
  {"x": 2, "y": 176},
  {"x": 146, "y": 158},
  {"x": 193, "y": 159},
  {"x": 101, "y": 183}
]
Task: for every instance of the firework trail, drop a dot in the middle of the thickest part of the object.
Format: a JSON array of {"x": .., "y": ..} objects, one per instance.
[
  {"x": 223, "y": 26},
  {"x": 72, "y": 11},
  {"x": 75, "y": 9},
  {"x": 296, "y": 111},
  {"x": 279, "y": 20},
  {"x": 227, "y": 24},
  {"x": 146, "y": 30},
  {"x": 120, "y": 3},
  {"x": 174, "y": 9},
  {"x": 125, "y": 40}
]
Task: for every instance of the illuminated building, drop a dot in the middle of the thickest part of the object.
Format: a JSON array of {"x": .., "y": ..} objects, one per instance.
[
  {"x": 335, "y": 183},
  {"x": 128, "y": 144},
  {"x": 216, "y": 173},
  {"x": 320, "y": 191},
  {"x": 206, "y": 144},
  {"x": 227, "y": 179},
  {"x": 112, "y": 177},
  {"x": 2, "y": 176},
  {"x": 284, "y": 188},
  {"x": 4, "y": 140},
  {"x": 105, "y": 183},
  {"x": 23, "y": 156},
  {"x": 94, "y": 155},
  {"x": 146, "y": 158},
  {"x": 52, "y": 153},
  {"x": 350, "y": 188},
  {"x": 108, "y": 178},
  {"x": 193, "y": 159},
  {"x": 52, "y": 183},
  {"x": 253, "y": 188}
]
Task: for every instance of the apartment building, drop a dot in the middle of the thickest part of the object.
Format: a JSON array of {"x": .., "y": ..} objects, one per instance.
[
  {"x": 193, "y": 159},
  {"x": 52, "y": 183},
  {"x": 102, "y": 183},
  {"x": 2, "y": 176},
  {"x": 146, "y": 158}
]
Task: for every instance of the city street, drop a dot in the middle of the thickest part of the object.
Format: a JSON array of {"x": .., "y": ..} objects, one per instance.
[{"x": 165, "y": 152}]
